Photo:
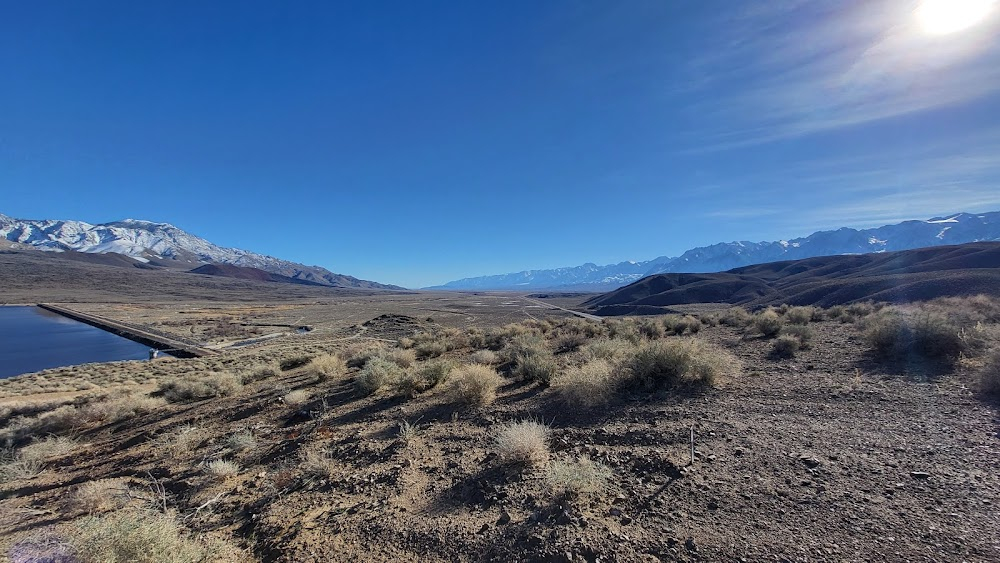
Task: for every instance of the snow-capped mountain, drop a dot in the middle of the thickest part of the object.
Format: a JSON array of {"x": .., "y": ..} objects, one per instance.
[
  {"x": 954, "y": 229},
  {"x": 159, "y": 243}
]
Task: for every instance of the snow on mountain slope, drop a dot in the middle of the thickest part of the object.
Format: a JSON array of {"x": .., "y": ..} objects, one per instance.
[
  {"x": 938, "y": 231},
  {"x": 145, "y": 240}
]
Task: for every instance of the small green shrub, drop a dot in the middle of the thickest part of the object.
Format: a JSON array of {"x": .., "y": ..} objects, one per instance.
[
  {"x": 800, "y": 315},
  {"x": 377, "y": 373},
  {"x": 785, "y": 346},
  {"x": 803, "y": 333}
]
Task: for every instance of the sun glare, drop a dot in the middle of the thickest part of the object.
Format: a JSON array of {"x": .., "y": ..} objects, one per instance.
[{"x": 940, "y": 17}]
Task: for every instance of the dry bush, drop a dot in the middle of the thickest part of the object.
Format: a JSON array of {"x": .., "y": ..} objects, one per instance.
[
  {"x": 261, "y": 372},
  {"x": 893, "y": 333},
  {"x": 128, "y": 536},
  {"x": 118, "y": 408},
  {"x": 102, "y": 495},
  {"x": 319, "y": 463},
  {"x": 431, "y": 349},
  {"x": 222, "y": 468},
  {"x": 406, "y": 343},
  {"x": 989, "y": 375},
  {"x": 530, "y": 359},
  {"x": 768, "y": 323},
  {"x": 591, "y": 384},
  {"x": 402, "y": 358},
  {"x": 736, "y": 317},
  {"x": 47, "y": 448},
  {"x": 185, "y": 439},
  {"x": 241, "y": 441},
  {"x": 293, "y": 362},
  {"x": 484, "y": 357},
  {"x": 669, "y": 363},
  {"x": 569, "y": 343},
  {"x": 608, "y": 349},
  {"x": 624, "y": 329},
  {"x": 785, "y": 346},
  {"x": 413, "y": 382},
  {"x": 187, "y": 390},
  {"x": 357, "y": 355},
  {"x": 651, "y": 329},
  {"x": 687, "y": 324},
  {"x": 862, "y": 309},
  {"x": 296, "y": 398},
  {"x": 377, "y": 373},
  {"x": 328, "y": 366},
  {"x": 803, "y": 333},
  {"x": 576, "y": 478},
  {"x": 800, "y": 315},
  {"x": 525, "y": 442},
  {"x": 474, "y": 384}
]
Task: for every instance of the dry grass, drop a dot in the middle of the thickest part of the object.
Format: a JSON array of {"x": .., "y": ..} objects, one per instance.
[
  {"x": 318, "y": 463},
  {"x": 47, "y": 448},
  {"x": 128, "y": 536},
  {"x": 609, "y": 349},
  {"x": 484, "y": 357},
  {"x": 186, "y": 438},
  {"x": 241, "y": 441},
  {"x": 188, "y": 390},
  {"x": 894, "y": 333},
  {"x": 579, "y": 477},
  {"x": 989, "y": 375},
  {"x": 524, "y": 443},
  {"x": 328, "y": 366},
  {"x": 102, "y": 495},
  {"x": 800, "y": 315},
  {"x": 296, "y": 398},
  {"x": 768, "y": 323},
  {"x": 588, "y": 385},
  {"x": 418, "y": 380},
  {"x": 684, "y": 362},
  {"x": 222, "y": 468},
  {"x": 474, "y": 384},
  {"x": 13, "y": 467},
  {"x": 261, "y": 372}
]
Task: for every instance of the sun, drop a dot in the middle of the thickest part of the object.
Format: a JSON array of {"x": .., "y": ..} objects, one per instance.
[{"x": 941, "y": 17}]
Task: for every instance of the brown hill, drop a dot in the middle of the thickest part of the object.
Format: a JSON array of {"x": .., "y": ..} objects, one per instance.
[
  {"x": 243, "y": 273},
  {"x": 910, "y": 275}
]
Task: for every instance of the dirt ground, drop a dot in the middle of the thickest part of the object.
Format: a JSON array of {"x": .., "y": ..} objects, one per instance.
[{"x": 828, "y": 456}]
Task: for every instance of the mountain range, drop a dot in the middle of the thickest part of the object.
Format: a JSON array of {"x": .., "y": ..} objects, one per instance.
[
  {"x": 949, "y": 230},
  {"x": 164, "y": 245}
]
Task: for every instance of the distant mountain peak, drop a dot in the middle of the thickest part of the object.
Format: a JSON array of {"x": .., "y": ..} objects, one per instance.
[
  {"x": 957, "y": 228},
  {"x": 146, "y": 240}
]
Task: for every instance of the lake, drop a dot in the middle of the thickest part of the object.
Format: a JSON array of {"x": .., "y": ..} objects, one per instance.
[{"x": 33, "y": 339}]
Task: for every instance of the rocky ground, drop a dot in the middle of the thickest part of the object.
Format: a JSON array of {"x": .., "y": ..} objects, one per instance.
[{"x": 827, "y": 456}]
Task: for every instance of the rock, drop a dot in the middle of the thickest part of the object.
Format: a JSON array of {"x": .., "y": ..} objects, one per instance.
[
  {"x": 690, "y": 545},
  {"x": 920, "y": 475},
  {"x": 615, "y": 511},
  {"x": 712, "y": 505},
  {"x": 504, "y": 518},
  {"x": 809, "y": 461},
  {"x": 627, "y": 520},
  {"x": 484, "y": 529}
]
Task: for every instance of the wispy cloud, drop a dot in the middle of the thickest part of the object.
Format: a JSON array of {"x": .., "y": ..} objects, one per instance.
[{"x": 796, "y": 68}]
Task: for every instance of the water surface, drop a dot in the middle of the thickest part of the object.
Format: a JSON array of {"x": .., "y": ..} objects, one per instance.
[{"x": 33, "y": 339}]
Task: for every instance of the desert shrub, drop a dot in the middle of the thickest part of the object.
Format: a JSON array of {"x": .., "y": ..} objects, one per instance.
[
  {"x": 607, "y": 349},
  {"x": 415, "y": 381},
  {"x": 785, "y": 346},
  {"x": 835, "y": 312},
  {"x": 651, "y": 329},
  {"x": 541, "y": 368},
  {"x": 241, "y": 441},
  {"x": 263, "y": 371},
  {"x": 474, "y": 384},
  {"x": 402, "y": 358},
  {"x": 524, "y": 443},
  {"x": 891, "y": 333},
  {"x": 358, "y": 355},
  {"x": 578, "y": 477},
  {"x": 296, "y": 398},
  {"x": 767, "y": 323},
  {"x": 319, "y": 463},
  {"x": 49, "y": 447},
  {"x": 989, "y": 375},
  {"x": 101, "y": 495},
  {"x": 185, "y": 439},
  {"x": 861, "y": 309},
  {"x": 485, "y": 357},
  {"x": 222, "y": 468},
  {"x": 800, "y": 315},
  {"x": 588, "y": 385},
  {"x": 624, "y": 330},
  {"x": 569, "y": 343},
  {"x": 328, "y": 366},
  {"x": 670, "y": 363},
  {"x": 803, "y": 333},
  {"x": 687, "y": 324},
  {"x": 521, "y": 346},
  {"x": 737, "y": 317},
  {"x": 293, "y": 362},
  {"x": 119, "y": 407},
  {"x": 377, "y": 373},
  {"x": 128, "y": 536},
  {"x": 187, "y": 390},
  {"x": 477, "y": 338},
  {"x": 431, "y": 349},
  {"x": 406, "y": 343}
]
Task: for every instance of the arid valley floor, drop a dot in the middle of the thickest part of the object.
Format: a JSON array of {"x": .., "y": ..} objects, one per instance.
[{"x": 409, "y": 426}]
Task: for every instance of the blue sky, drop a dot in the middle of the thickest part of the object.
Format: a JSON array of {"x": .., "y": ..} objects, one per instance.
[{"x": 419, "y": 142}]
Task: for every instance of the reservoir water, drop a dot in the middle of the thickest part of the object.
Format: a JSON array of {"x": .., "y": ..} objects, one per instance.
[{"x": 33, "y": 339}]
